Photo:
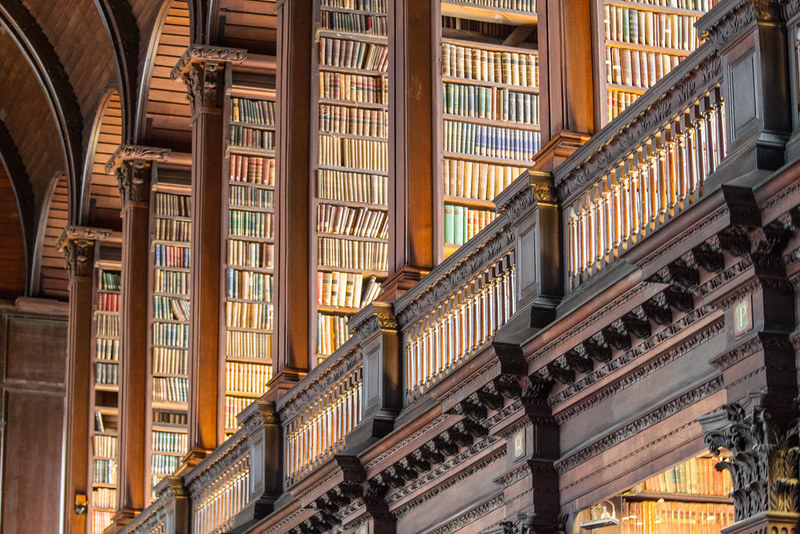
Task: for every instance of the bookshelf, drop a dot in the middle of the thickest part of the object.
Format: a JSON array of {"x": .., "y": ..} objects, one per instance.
[
  {"x": 168, "y": 365},
  {"x": 641, "y": 42},
  {"x": 106, "y": 356},
  {"x": 350, "y": 202},
  {"x": 689, "y": 497},
  {"x": 249, "y": 247},
  {"x": 490, "y": 125}
]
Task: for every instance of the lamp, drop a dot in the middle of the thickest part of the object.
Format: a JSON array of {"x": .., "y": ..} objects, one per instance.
[{"x": 601, "y": 517}]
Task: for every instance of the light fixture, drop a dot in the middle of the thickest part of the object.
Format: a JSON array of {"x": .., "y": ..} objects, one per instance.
[{"x": 601, "y": 517}]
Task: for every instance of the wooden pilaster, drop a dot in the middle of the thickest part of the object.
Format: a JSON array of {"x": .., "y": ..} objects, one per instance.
[
  {"x": 78, "y": 245},
  {"x": 293, "y": 129},
  {"x": 413, "y": 41},
  {"x": 202, "y": 69},
  {"x": 133, "y": 167}
]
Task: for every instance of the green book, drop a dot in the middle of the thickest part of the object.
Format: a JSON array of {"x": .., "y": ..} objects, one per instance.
[
  {"x": 449, "y": 235},
  {"x": 458, "y": 223}
]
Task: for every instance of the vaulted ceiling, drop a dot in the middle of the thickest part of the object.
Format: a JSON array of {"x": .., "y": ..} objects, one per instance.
[{"x": 80, "y": 78}]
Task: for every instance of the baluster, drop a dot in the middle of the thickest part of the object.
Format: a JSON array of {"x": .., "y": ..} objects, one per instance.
[
  {"x": 671, "y": 176},
  {"x": 691, "y": 155},
  {"x": 572, "y": 226},
  {"x": 439, "y": 356},
  {"x": 702, "y": 146},
  {"x": 636, "y": 198}
]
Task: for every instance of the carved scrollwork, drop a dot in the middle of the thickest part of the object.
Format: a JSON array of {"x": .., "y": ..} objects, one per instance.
[
  {"x": 131, "y": 152},
  {"x": 133, "y": 180}
]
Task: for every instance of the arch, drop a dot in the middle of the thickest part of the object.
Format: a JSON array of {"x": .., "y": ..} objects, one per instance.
[
  {"x": 100, "y": 201},
  {"x": 252, "y": 25},
  {"x": 13, "y": 253},
  {"x": 50, "y": 277},
  {"x": 163, "y": 113}
]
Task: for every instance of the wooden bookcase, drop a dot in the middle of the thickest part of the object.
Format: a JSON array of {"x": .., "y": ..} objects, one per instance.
[
  {"x": 489, "y": 103},
  {"x": 106, "y": 354},
  {"x": 248, "y": 249},
  {"x": 639, "y": 43},
  {"x": 168, "y": 362},
  {"x": 350, "y": 184}
]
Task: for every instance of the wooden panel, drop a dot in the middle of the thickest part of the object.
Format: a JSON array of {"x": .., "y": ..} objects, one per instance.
[
  {"x": 250, "y": 24},
  {"x": 103, "y": 191},
  {"x": 12, "y": 257},
  {"x": 53, "y": 269},
  {"x": 31, "y": 356}
]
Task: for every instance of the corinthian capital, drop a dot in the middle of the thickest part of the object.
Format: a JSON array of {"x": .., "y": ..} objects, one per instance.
[{"x": 200, "y": 67}]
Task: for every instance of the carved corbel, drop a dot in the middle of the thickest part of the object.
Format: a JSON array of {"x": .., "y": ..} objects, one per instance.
[
  {"x": 490, "y": 397},
  {"x": 418, "y": 462},
  {"x": 508, "y": 386},
  {"x": 200, "y": 67},
  {"x": 735, "y": 241},
  {"x": 77, "y": 245},
  {"x": 709, "y": 257},
  {"x": 405, "y": 470},
  {"x": 678, "y": 299},
  {"x": 430, "y": 453},
  {"x": 678, "y": 273},
  {"x": 560, "y": 371},
  {"x": 473, "y": 408},
  {"x": 616, "y": 336},
  {"x": 657, "y": 311},
  {"x": 578, "y": 360},
  {"x": 597, "y": 348},
  {"x": 636, "y": 325},
  {"x": 468, "y": 426},
  {"x": 444, "y": 443},
  {"x": 133, "y": 181}
]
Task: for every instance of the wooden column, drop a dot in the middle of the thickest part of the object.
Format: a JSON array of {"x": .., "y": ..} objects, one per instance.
[
  {"x": 78, "y": 245},
  {"x": 566, "y": 79},
  {"x": 202, "y": 69},
  {"x": 133, "y": 170},
  {"x": 413, "y": 169},
  {"x": 293, "y": 177}
]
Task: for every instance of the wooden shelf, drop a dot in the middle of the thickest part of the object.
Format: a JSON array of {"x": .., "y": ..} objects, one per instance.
[
  {"x": 337, "y": 310},
  {"x": 246, "y": 359},
  {"x": 255, "y": 239},
  {"x": 176, "y": 269},
  {"x": 471, "y": 202},
  {"x": 641, "y": 6},
  {"x": 248, "y": 329},
  {"x": 381, "y": 207},
  {"x": 244, "y": 394},
  {"x": 467, "y": 10},
  {"x": 169, "y": 406},
  {"x": 172, "y": 217},
  {"x": 178, "y": 428},
  {"x": 166, "y": 242},
  {"x": 648, "y": 48},
  {"x": 352, "y": 169},
  {"x": 490, "y": 46},
  {"x": 356, "y": 11},
  {"x": 114, "y": 388},
  {"x": 482, "y": 83},
  {"x": 249, "y": 151},
  {"x": 350, "y": 36},
  {"x": 376, "y": 274},
  {"x": 493, "y": 122},
  {"x": 251, "y": 184},
  {"x": 169, "y": 453},
  {"x": 254, "y": 125},
  {"x": 264, "y": 270},
  {"x": 104, "y": 485},
  {"x": 247, "y": 301},
  {"x": 354, "y": 237},
  {"x": 677, "y": 497},
  {"x": 354, "y": 136},
  {"x": 257, "y": 209},
  {"x": 352, "y": 70},
  {"x": 489, "y": 159},
  {"x": 627, "y": 88},
  {"x": 170, "y": 321},
  {"x": 350, "y": 103}
]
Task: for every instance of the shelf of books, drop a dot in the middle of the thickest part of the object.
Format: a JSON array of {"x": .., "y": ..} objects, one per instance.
[
  {"x": 105, "y": 363},
  {"x": 169, "y": 342},
  {"x": 249, "y": 244},
  {"x": 490, "y": 107},
  {"x": 643, "y": 40},
  {"x": 350, "y": 196},
  {"x": 690, "y": 497}
]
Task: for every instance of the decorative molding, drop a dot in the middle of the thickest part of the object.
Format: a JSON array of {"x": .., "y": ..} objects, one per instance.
[
  {"x": 131, "y": 152},
  {"x": 78, "y": 250},
  {"x": 737, "y": 354},
  {"x": 200, "y": 67},
  {"x": 85, "y": 233},
  {"x": 372, "y": 319},
  {"x": 627, "y": 431},
  {"x": 210, "y": 469},
  {"x": 204, "y": 53},
  {"x": 133, "y": 179},
  {"x": 404, "y": 443},
  {"x": 469, "y": 517},
  {"x": 723, "y": 28}
]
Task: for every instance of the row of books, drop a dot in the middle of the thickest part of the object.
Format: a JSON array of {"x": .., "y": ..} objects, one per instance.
[
  {"x": 357, "y": 88},
  {"x": 248, "y": 378},
  {"x": 344, "y": 220},
  {"x": 233, "y": 406},
  {"x": 462, "y": 223},
  {"x": 170, "y": 308},
  {"x": 251, "y": 197},
  {"x": 353, "y": 121},
  {"x": 165, "y": 464},
  {"x": 250, "y": 254},
  {"x": 347, "y": 254},
  {"x": 171, "y": 335},
  {"x": 248, "y": 315},
  {"x": 175, "y": 282},
  {"x": 170, "y": 361},
  {"x": 637, "y": 67},
  {"x": 247, "y": 285},
  {"x": 99, "y": 422},
  {"x": 106, "y": 374},
  {"x": 107, "y": 325},
  {"x": 105, "y": 446},
  {"x": 170, "y": 441},
  {"x": 109, "y": 281},
  {"x": 104, "y": 471},
  {"x": 353, "y": 22},
  {"x": 347, "y": 290},
  {"x": 108, "y": 302},
  {"x": 695, "y": 477},
  {"x": 172, "y": 205},
  {"x": 492, "y": 141},
  {"x": 331, "y": 333},
  {"x": 472, "y": 179},
  {"x": 252, "y": 169},
  {"x": 104, "y": 498},
  {"x": 354, "y": 153},
  {"x": 172, "y": 230},
  {"x": 243, "y": 136},
  {"x": 353, "y": 54},
  {"x": 511, "y": 5},
  {"x": 645, "y": 27},
  {"x": 170, "y": 389},
  {"x": 379, "y": 6},
  {"x": 256, "y": 345},
  {"x": 171, "y": 256},
  {"x": 243, "y": 223},
  {"x": 651, "y": 517},
  {"x": 349, "y": 186},
  {"x": 169, "y": 418},
  {"x": 101, "y": 520},
  {"x": 491, "y": 103},
  {"x": 491, "y": 30},
  {"x": 617, "y": 101},
  {"x": 495, "y": 66},
  {"x": 106, "y": 349},
  {"x": 696, "y": 5},
  {"x": 253, "y": 111}
]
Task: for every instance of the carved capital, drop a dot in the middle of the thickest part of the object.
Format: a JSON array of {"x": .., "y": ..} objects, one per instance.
[
  {"x": 133, "y": 152},
  {"x": 133, "y": 179},
  {"x": 77, "y": 245},
  {"x": 764, "y": 460},
  {"x": 200, "y": 67}
]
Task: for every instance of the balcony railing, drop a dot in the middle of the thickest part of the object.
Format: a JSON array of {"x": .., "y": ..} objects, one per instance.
[{"x": 166, "y": 515}]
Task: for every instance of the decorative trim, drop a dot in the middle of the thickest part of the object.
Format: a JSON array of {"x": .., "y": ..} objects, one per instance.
[
  {"x": 210, "y": 469},
  {"x": 404, "y": 443},
  {"x": 86, "y": 233},
  {"x": 724, "y": 28},
  {"x": 204, "y": 53},
  {"x": 471, "y": 516},
  {"x": 129, "y": 152},
  {"x": 655, "y": 416}
]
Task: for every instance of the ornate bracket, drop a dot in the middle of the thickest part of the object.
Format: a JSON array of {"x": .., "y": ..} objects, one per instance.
[
  {"x": 133, "y": 179},
  {"x": 199, "y": 67},
  {"x": 77, "y": 245}
]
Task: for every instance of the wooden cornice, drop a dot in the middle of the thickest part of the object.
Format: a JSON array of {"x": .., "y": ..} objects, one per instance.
[
  {"x": 202, "y": 53},
  {"x": 23, "y": 191},
  {"x": 44, "y": 61},
  {"x": 123, "y": 32},
  {"x": 127, "y": 152}
]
